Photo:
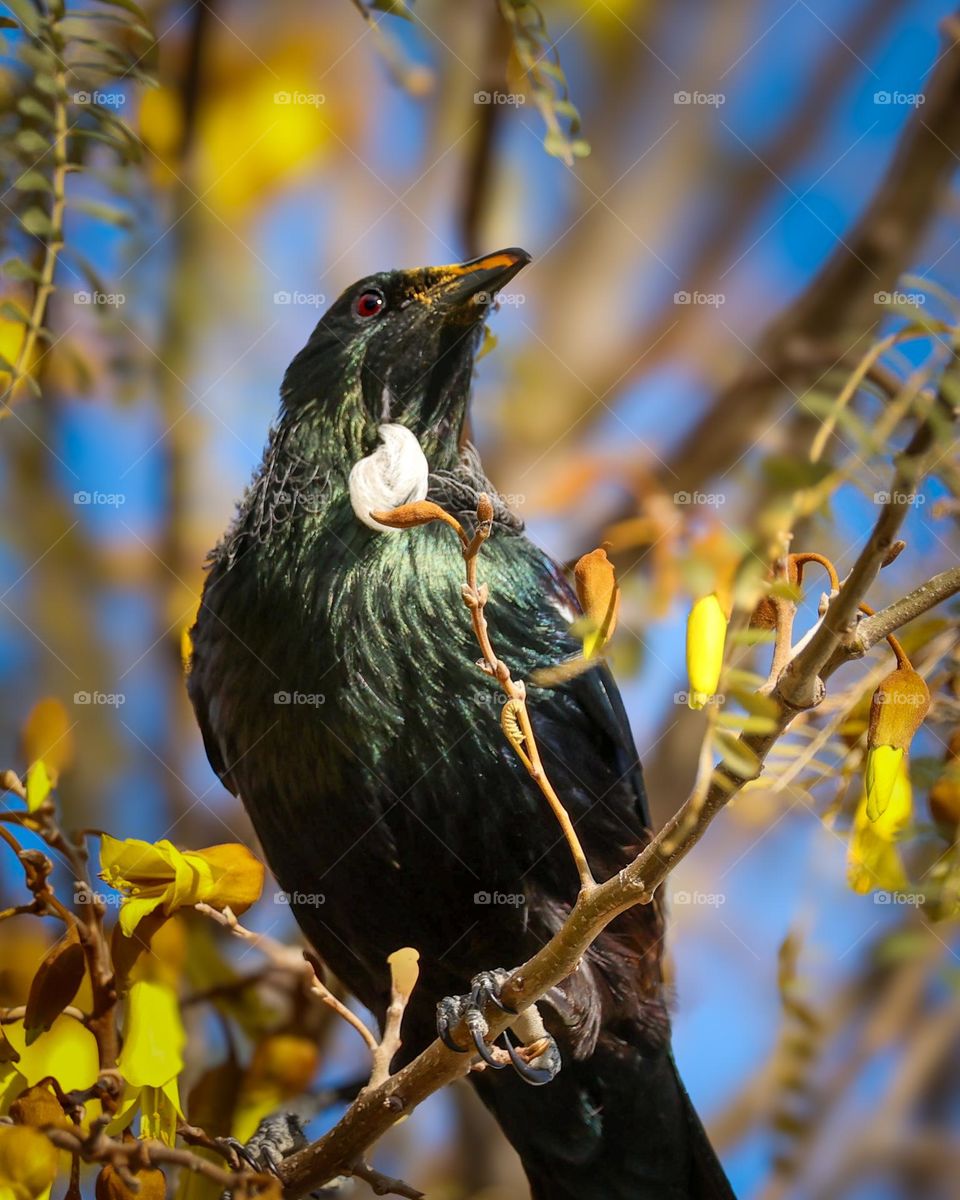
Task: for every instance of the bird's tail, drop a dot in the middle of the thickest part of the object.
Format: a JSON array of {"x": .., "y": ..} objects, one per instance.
[{"x": 617, "y": 1126}]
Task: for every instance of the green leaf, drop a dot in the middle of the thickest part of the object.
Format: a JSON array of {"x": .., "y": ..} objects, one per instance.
[
  {"x": 103, "y": 212},
  {"x": 30, "y": 106},
  {"x": 26, "y": 14},
  {"x": 78, "y": 18},
  {"x": 756, "y": 703},
  {"x": 737, "y": 757},
  {"x": 108, "y": 139},
  {"x": 88, "y": 270},
  {"x": 30, "y": 142},
  {"x": 746, "y": 724},
  {"x": 16, "y": 268},
  {"x": 36, "y": 221},
  {"x": 792, "y": 473},
  {"x": 13, "y": 311},
  {"x": 33, "y": 181},
  {"x": 128, "y": 6},
  {"x": 45, "y": 83}
]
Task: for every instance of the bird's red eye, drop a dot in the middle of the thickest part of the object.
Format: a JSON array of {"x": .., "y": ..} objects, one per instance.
[{"x": 368, "y": 304}]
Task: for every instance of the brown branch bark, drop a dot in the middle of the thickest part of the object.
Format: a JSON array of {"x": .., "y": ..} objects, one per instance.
[{"x": 919, "y": 601}]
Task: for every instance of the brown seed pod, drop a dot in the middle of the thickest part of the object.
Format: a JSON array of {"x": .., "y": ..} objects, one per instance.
[
  {"x": 111, "y": 1186},
  {"x": 55, "y": 984},
  {"x": 39, "y": 1106}
]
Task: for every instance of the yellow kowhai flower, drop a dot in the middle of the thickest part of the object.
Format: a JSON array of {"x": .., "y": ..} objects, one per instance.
[
  {"x": 706, "y": 635},
  {"x": 67, "y": 1051},
  {"x": 899, "y": 705},
  {"x": 155, "y": 874},
  {"x": 150, "y": 1061},
  {"x": 28, "y": 1163},
  {"x": 873, "y": 861}
]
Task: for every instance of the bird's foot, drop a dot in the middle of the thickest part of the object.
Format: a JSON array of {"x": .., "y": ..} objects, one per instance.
[
  {"x": 276, "y": 1137},
  {"x": 537, "y": 1061}
]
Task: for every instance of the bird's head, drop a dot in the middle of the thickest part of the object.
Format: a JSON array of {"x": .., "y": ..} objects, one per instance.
[{"x": 398, "y": 348}]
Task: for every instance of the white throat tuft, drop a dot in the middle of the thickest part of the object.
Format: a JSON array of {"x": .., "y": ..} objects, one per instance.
[{"x": 394, "y": 474}]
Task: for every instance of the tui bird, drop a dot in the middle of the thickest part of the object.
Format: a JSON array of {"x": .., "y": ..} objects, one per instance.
[{"x": 334, "y": 681}]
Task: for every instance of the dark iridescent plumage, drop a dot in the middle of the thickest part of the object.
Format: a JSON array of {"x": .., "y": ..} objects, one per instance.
[{"x": 396, "y": 796}]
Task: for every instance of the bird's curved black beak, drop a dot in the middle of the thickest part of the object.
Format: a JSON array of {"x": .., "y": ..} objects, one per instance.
[{"x": 478, "y": 280}]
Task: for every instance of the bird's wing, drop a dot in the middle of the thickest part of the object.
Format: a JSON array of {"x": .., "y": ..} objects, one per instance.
[{"x": 580, "y": 721}]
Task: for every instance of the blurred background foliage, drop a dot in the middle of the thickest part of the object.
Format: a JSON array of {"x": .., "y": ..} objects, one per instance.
[{"x": 721, "y": 201}]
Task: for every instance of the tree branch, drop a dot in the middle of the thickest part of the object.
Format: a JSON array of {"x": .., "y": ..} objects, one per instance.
[{"x": 920, "y": 600}]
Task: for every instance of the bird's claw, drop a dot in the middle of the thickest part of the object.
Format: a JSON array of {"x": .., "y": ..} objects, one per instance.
[
  {"x": 277, "y": 1136},
  {"x": 536, "y": 1069},
  {"x": 540, "y": 1067}
]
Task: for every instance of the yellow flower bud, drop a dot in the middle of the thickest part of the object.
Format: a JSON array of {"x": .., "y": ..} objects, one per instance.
[
  {"x": 899, "y": 705},
  {"x": 706, "y": 634}
]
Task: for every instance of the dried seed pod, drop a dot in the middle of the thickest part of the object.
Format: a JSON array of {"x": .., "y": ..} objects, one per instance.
[{"x": 55, "y": 984}]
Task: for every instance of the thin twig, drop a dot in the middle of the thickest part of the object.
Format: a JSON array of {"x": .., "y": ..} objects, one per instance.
[{"x": 475, "y": 598}]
